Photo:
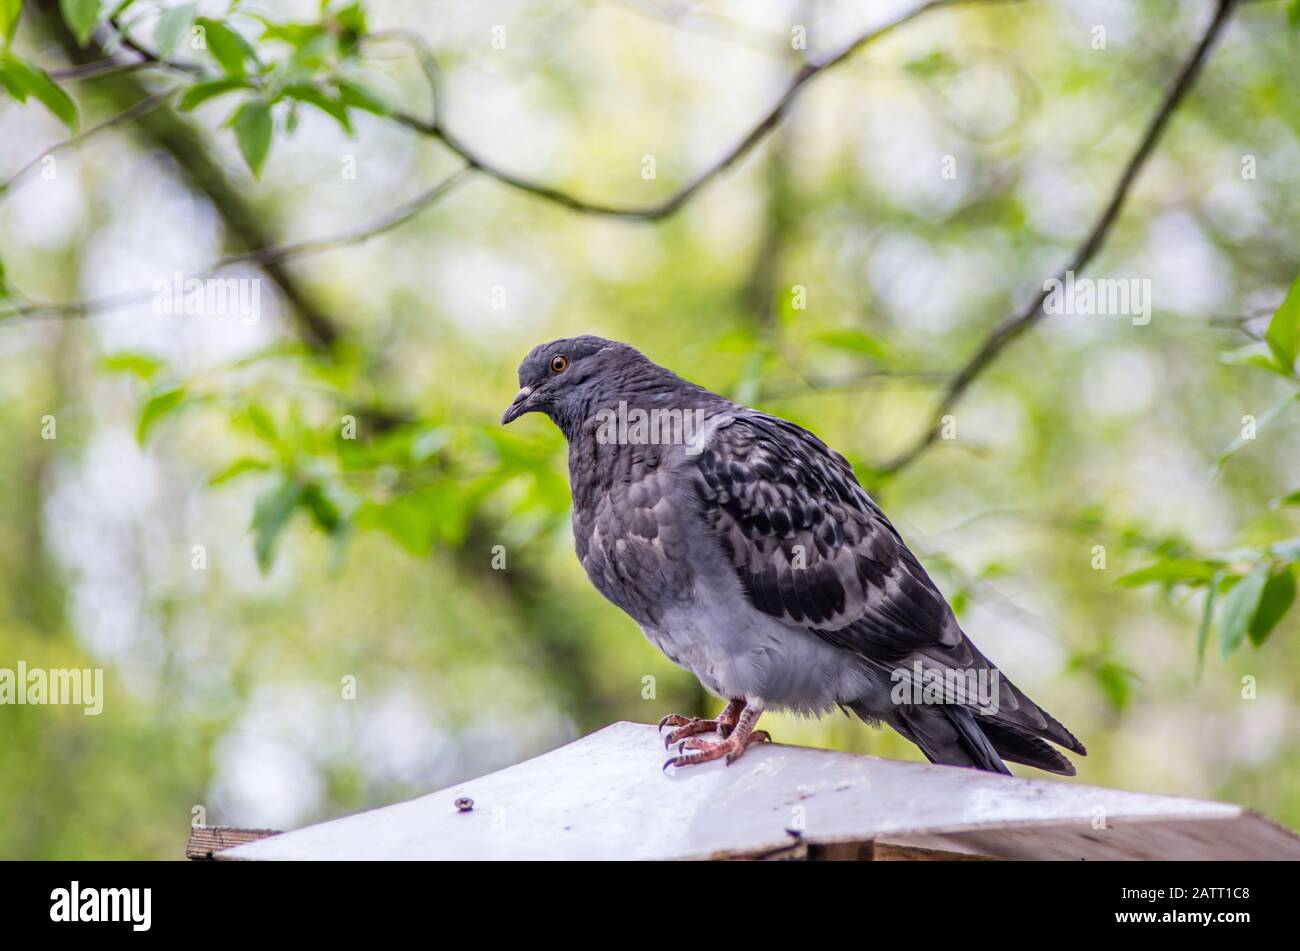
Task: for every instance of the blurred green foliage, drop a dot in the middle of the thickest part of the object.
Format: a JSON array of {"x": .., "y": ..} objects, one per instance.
[{"x": 321, "y": 579}]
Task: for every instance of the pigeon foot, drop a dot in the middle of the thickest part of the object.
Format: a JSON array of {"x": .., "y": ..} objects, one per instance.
[
  {"x": 722, "y": 725},
  {"x": 732, "y": 748}
]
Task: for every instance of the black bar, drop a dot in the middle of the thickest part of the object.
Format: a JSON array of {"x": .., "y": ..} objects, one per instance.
[{"x": 234, "y": 901}]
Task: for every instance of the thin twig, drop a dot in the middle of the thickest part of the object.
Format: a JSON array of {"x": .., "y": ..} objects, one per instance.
[
  {"x": 149, "y": 56},
  {"x": 398, "y": 216},
  {"x": 271, "y": 254},
  {"x": 428, "y": 63},
  {"x": 813, "y": 385},
  {"x": 1017, "y": 324},
  {"x": 102, "y": 67},
  {"x": 436, "y": 128},
  {"x": 806, "y": 74},
  {"x": 141, "y": 108}
]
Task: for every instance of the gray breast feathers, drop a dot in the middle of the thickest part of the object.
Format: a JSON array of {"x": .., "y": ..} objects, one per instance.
[{"x": 629, "y": 527}]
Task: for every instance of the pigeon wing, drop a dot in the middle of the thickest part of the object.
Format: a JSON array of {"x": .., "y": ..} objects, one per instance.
[{"x": 809, "y": 546}]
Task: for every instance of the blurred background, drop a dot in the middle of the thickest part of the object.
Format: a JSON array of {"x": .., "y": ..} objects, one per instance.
[{"x": 320, "y": 577}]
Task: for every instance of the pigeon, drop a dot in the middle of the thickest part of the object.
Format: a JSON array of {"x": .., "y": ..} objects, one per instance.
[{"x": 747, "y": 551}]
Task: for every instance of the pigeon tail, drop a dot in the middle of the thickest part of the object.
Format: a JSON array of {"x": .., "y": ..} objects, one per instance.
[
  {"x": 1020, "y": 746},
  {"x": 946, "y": 733},
  {"x": 952, "y": 735}
]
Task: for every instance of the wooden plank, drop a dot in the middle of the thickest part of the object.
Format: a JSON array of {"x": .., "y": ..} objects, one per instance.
[
  {"x": 603, "y": 796},
  {"x": 1247, "y": 836},
  {"x": 206, "y": 841},
  {"x": 881, "y": 851}
]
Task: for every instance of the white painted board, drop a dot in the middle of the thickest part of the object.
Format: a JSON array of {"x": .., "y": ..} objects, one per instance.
[{"x": 605, "y": 797}]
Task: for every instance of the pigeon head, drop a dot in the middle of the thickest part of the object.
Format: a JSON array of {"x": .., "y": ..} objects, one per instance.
[{"x": 566, "y": 379}]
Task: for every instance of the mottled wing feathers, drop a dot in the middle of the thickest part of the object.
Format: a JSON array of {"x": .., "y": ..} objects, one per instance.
[{"x": 809, "y": 545}]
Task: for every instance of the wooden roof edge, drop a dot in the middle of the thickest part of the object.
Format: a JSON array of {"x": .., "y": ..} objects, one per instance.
[{"x": 205, "y": 841}]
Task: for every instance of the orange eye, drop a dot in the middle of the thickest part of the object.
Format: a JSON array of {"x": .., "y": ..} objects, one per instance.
[{"x": 559, "y": 363}]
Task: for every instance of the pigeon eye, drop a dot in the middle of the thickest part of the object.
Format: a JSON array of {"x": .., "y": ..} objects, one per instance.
[{"x": 559, "y": 363}]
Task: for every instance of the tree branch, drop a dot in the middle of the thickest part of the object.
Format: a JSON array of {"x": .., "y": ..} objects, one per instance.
[
  {"x": 668, "y": 206},
  {"x": 141, "y": 108},
  {"x": 97, "y": 68},
  {"x": 812, "y": 385},
  {"x": 436, "y": 128},
  {"x": 179, "y": 139},
  {"x": 1018, "y": 323},
  {"x": 551, "y": 648},
  {"x": 263, "y": 257},
  {"x": 186, "y": 145}
]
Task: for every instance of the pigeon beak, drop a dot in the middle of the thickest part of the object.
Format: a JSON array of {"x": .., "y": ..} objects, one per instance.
[{"x": 518, "y": 407}]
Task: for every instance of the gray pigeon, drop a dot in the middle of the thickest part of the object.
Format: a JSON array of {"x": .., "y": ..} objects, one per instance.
[{"x": 748, "y": 553}]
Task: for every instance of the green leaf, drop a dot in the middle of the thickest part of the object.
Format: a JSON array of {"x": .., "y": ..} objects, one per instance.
[
  {"x": 322, "y": 508},
  {"x": 253, "y": 128},
  {"x": 933, "y": 64},
  {"x": 747, "y": 387},
  {"x": 1239, "y": 608},
  {"x": 9, "y": 12},
  {"x": 54, "y": 98},
  {"x": 1207, "y": 619},
  {"x": 31, "y": 79},
  {"x": 156, "y": 408},
  {"x": 1255, "y": 355},
  {"x": 1116, "y": 682},
  {"x": 319, "y": 51},
  {"x": 228, "y": 48},
  {"x": 856, "y": 341},
  {"x": 294, "y": 34},
  {"x": 201, "y": 92},
  {"x": 1114, "y": 678},
  {"x": 10, "y": 80},
  {"x": 349, "y": 26},
  {"x": 1293, "y": 14},
  {"x": 351, "y": 19},
  {"x": 409, "y": 519},
  {"x": 256, "y": 419},
  {"x": 172, "y": 25},
  {"x": 281, "y": 350},
  {"x": 140, "y": 365},
  {"x": 1283, "y": 334},
  {"x": 1278, "y": 596},
  {"x": 82, "y": 16},
  {"x": 313, "y": 96},
  {"x": 356, "y": 96},
  {"x": 1240, "y": 442},
  {"x": 237, "y": 468},
  {"x": 271, "y": 513},
  {"x": 1172, "y": 571}
]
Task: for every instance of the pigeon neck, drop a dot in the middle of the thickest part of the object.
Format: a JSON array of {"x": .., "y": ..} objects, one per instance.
[{"x": 667, "y": 397}]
